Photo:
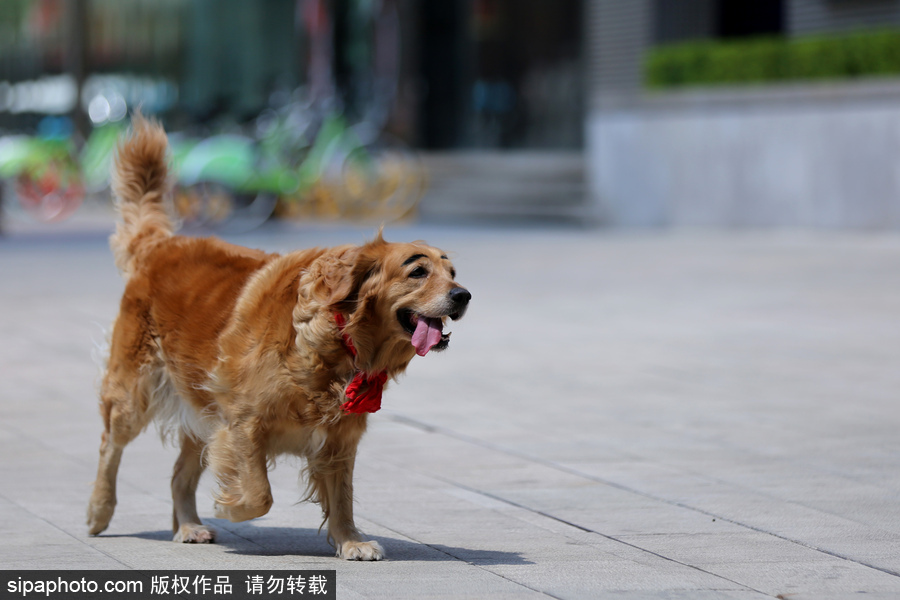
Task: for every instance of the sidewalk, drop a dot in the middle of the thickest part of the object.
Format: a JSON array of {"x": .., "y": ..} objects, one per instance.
[{"x": 694, "y": 416}]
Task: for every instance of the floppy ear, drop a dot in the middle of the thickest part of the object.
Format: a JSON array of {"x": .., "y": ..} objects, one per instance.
[{"x": 338, "y": 277}]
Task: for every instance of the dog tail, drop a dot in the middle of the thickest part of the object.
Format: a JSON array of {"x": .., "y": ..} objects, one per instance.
[{"x": 140, "y": 183}]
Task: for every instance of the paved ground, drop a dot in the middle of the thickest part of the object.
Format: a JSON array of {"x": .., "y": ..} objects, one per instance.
[{"x": 620, "y": 415}]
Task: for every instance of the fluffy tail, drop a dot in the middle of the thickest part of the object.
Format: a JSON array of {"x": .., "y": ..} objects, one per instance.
[{"x": 140, "y": 183}]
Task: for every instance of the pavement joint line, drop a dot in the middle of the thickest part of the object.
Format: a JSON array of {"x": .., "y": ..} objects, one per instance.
[
  {"x": 567, "y": 523},
  {"x": 122, "y": 478},
  {"x": 234, "y": 533},
  {"x": 409, "y": 421},
  {"x": 594, "y": 532},
  {"x": 764, "y": 495},
  {"x": 89, "y": 464},
  {"x": 428, "y": 428},
  {"x": 468, "y": 562},
  {"x": 813, "y": 466},
  {"x": 81, "y": 541}
]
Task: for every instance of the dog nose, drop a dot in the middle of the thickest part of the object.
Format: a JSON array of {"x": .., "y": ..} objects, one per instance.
[{"x": 460, "y": 296}]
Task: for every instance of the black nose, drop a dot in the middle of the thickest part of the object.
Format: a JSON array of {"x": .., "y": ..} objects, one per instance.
[{"x": 460, "y": 296}]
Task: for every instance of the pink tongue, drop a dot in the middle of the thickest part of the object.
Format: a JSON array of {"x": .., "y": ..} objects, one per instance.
[{"x": 428, "y": 333}]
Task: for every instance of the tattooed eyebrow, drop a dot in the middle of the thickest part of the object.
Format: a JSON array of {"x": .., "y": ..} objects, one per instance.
[{"x": 413, "y": 259}]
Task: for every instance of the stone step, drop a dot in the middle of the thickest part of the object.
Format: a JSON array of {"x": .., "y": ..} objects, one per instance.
[{"x": 504, "y": 184}]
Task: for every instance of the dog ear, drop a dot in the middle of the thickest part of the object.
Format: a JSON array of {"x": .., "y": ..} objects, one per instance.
[{"x": 339, "y": 276}]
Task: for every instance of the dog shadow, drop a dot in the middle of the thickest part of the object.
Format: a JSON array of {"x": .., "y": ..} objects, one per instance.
[{"x": 250, "y": 539}]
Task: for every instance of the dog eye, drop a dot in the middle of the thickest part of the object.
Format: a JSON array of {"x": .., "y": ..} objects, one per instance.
[{"x": 419, "y": 272}]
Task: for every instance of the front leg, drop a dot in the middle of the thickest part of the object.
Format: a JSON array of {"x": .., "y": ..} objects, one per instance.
[
  {"x": 331, "y": 480},
  {"x": 237, "y": 457}
]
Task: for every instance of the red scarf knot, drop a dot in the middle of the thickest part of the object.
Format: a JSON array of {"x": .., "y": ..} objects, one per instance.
[{"x": 364, "y": 391}]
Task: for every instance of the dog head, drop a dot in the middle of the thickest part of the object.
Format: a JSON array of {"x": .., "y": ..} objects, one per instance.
[{"x": 397, "y": 298}]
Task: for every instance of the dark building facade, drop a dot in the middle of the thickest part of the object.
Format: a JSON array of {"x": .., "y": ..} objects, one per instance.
[
  {"x": 500, "y": 73},
  {"x": 456, "y": 73}
]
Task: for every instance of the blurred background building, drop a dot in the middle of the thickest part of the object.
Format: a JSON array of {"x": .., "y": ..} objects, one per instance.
[
  {"x": 637, "y": 113},
  {"x": 755, "y": 113}
]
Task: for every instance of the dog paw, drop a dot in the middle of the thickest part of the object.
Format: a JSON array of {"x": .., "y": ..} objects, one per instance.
[
  {"x": 99, "y": 515},
  {"x": 239, "y": 512},
  {"x": 360, "y": 551},
  {"x": 192, "y": 533}
]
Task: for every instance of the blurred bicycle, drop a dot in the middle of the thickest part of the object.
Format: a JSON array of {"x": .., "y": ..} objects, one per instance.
[
  {"x": 225, "y": 183},
  {"x": 343, "y": 175},
  {"x": 299, "y": 165},
  {"x": 46, "y": 176},
  {"x": 354, "y": 169},
  {"x": 324, "y": 154}
]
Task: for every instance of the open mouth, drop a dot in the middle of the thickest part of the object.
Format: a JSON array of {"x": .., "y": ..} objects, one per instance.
[{"x": 427, "y": 333}]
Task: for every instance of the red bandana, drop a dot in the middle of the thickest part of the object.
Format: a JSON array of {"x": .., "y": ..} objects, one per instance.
[{"x": 364, "y": 391}]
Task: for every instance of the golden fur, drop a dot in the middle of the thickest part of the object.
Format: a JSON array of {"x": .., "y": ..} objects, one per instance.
[{"x": 237, "y": 352}]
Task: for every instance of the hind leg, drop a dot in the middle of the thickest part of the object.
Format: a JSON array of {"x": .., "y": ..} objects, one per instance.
[
  {"x": 123, "y": 421},
  {"x": 186, "y": 523},
  {"x": 123, "y": 406},
  {"x": 103, "y": 500}
]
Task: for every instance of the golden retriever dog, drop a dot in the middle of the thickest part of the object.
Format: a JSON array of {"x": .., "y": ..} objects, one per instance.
[{"x": 246, "y": 355}]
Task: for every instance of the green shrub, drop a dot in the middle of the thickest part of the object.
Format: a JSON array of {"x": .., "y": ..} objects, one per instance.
[{"x": 772, "y": 59}]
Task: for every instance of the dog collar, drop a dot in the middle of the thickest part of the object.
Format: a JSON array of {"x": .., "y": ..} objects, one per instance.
[{"x": 365, "y": 390}]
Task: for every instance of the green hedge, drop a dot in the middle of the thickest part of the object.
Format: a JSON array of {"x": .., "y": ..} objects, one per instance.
[{"x": 773, "y": 59}]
